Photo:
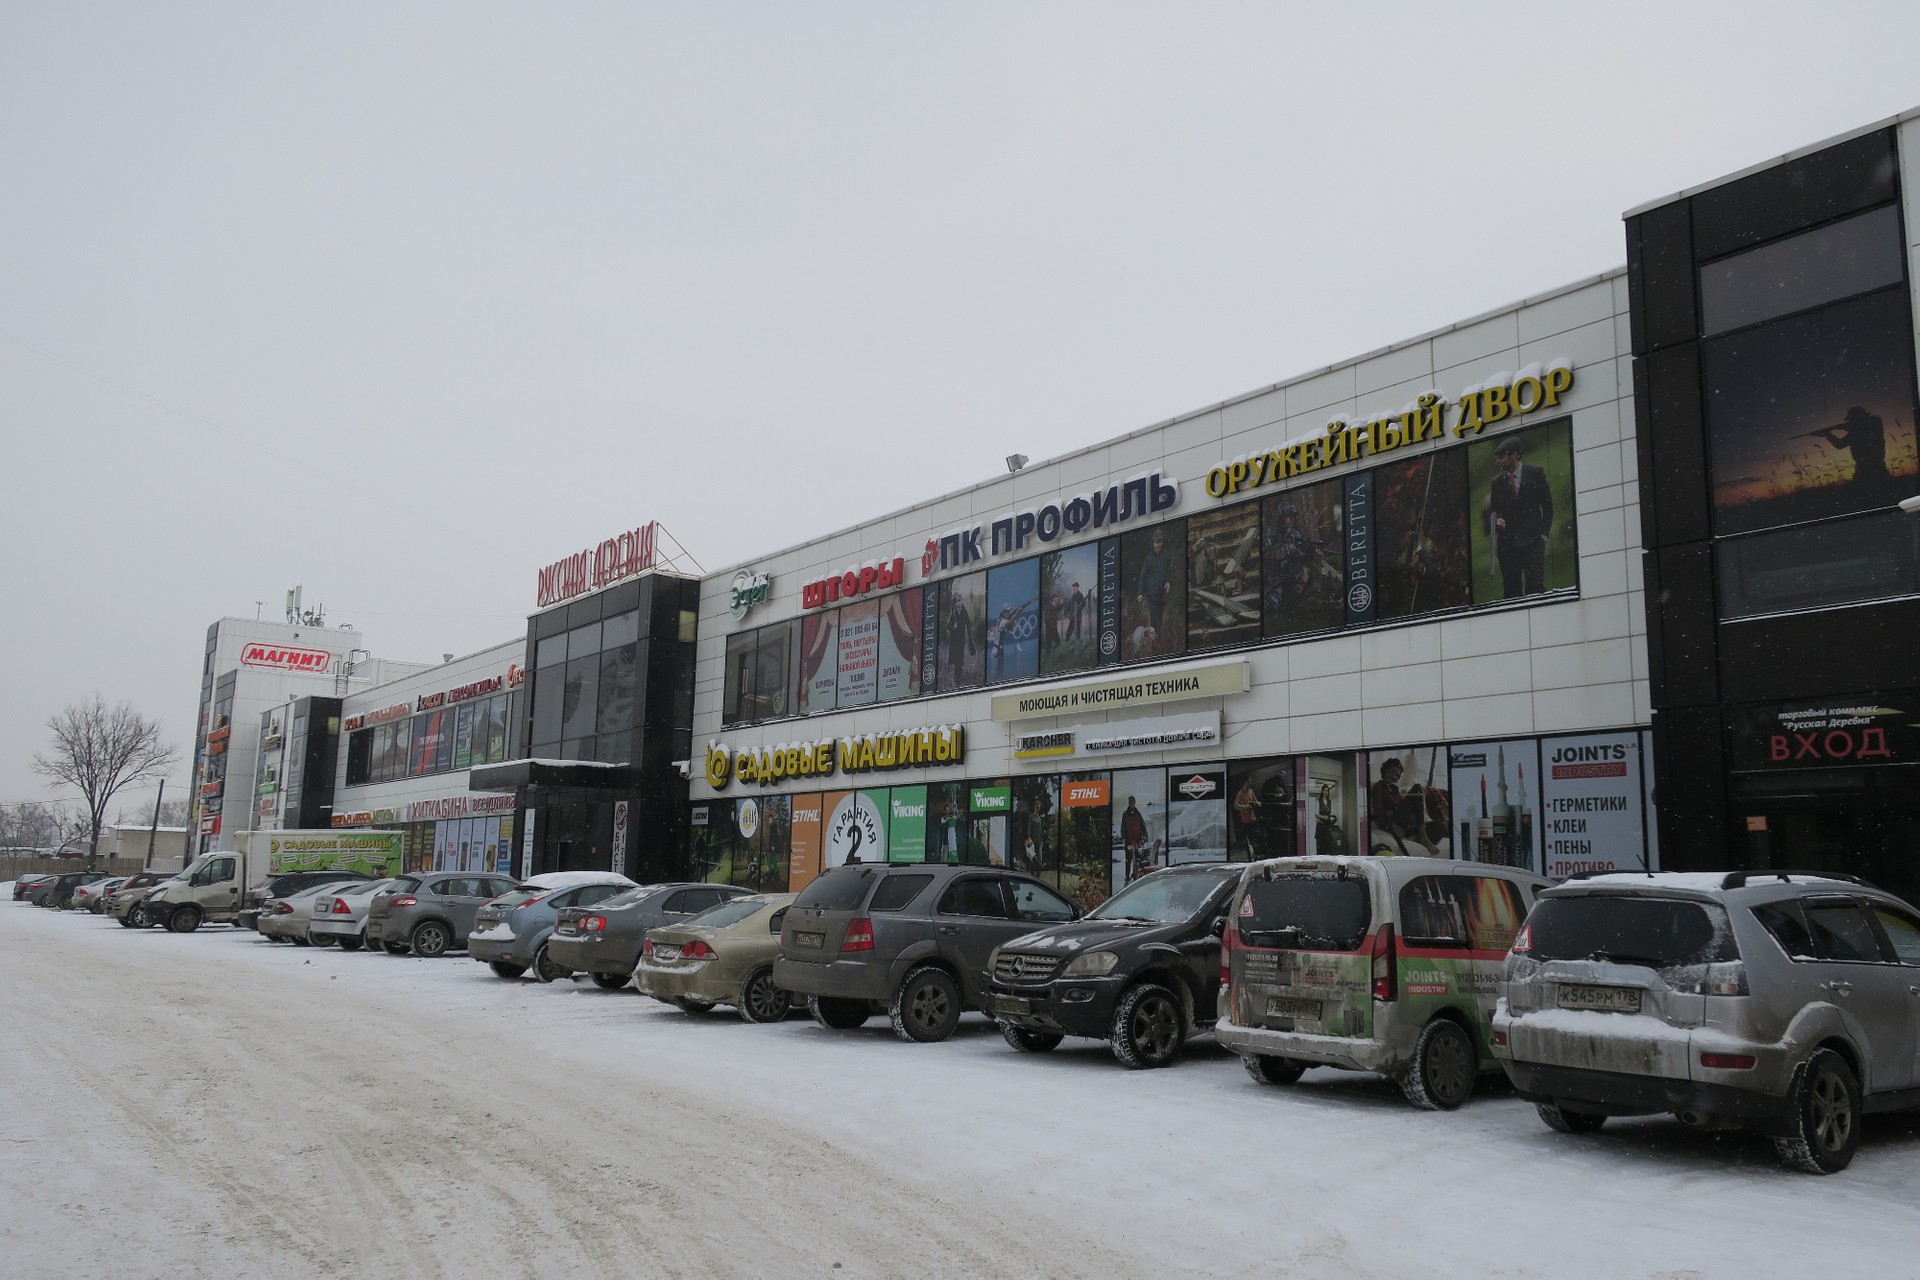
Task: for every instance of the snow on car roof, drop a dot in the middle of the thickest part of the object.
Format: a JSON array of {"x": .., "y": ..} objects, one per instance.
[{"x": 568, "y": 879}]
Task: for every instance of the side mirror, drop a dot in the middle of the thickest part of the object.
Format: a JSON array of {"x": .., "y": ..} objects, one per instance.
[
  {"x": 1219, "y": 927},
  {"x": 1077, "y": 912}
]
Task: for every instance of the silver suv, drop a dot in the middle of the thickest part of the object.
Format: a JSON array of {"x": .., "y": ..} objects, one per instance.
[{"x": 1786, "y": 1002}]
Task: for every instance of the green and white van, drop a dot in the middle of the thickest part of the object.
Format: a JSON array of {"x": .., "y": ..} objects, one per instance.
[{"x": 1383, "y": 964}]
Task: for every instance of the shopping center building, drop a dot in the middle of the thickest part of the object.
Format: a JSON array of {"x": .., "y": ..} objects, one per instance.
[{"x": 1391, "y": 606}]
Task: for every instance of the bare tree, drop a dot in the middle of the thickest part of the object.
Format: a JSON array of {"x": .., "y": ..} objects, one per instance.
[
  {"x": 173, "y": 813},
  {"x": 97, "y": 750},
  {"x": 33, "y": 824}
]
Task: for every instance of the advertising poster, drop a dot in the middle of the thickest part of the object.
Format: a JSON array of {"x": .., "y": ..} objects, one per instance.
[
  {"x": 1260, "y": 812},
  {"x": 496, "y": 712},
  {"x": 1409, "y": 807},
  {"x": 946, "y": 822},
  {"x": 1496, "y": 793},
  {"x": 1153, "y": 589},
  {"x": 803, "y": 842},
  {"x": 1110, "y": 601},
  {"x": 1070, "y": 606},
  {"x": 1086, "y": 873},
  {"x": 1331, "y": 791},
  {"x": 929, "y": 638},
  {"x": 906, "y": 824},
  {"x": 491, "y": 840},
  {"x": 711, "y": 841},
  {"x": 859, "y": 653},
  {"x": 1196, "y": 816},
  {"x": 429, "y": 732},
  {"x": 1356, "y": 492},
  {"x": 526, "y": 841},
  {"x": 963, "y": 632},
  {"x": 1139, "y": 821},
  {"x": 1590, "y": 804},
  {"x": 1032, "y": 832},
  {"x": 1013, "y": 621},
  {"x": 620, "y": 837},
  {"x": 1223, "y": 576},
  {"x": 856, "y": 827},
  {"x": 1812, "y": 417},
  {"x": 1303, "y": 531},
  {"x": 765, "y": 867},
  {"x": 1420, "y": 534},
  {"x": 503, "y": 852},
  {"x": 463, "y": 737},
  {"x": 1520, "y": 492},
  {"x": 899, "y": 663},
  {"x": 819, "y": 656}
]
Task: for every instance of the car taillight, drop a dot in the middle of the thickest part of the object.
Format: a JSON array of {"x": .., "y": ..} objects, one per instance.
[
  {"x": 1727, "y": 1061},
  {"x": 859, "y": 936},
  {"x": 1386, "y": 970},
  {"x": 646, "y": 948},
  {"x": 283, "y": 908},
  {"x": 1226, "y": 956},
  {"x": 340, "y": 907},
  {"x": 403, "y": 902},
  {"x": 698, "y": 950},
  {"x": 593, "y": 924},
  {"x": 1499, "y": 1038}
]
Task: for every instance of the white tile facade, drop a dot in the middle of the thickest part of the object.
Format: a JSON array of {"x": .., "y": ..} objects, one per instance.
[{"x": 1573, "y": 665}]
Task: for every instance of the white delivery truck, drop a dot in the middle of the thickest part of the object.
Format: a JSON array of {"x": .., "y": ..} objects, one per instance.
[{"x": 228, "y": 886}]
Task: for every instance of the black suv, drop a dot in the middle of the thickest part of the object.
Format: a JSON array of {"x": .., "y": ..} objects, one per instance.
[
  {"x": 909, "y": 940},
  {"x": 1142, "y": 970},
  {"x": 286, "y": 884}
]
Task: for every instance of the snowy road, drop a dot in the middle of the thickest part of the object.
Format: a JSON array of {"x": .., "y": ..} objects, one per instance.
[{"x": 216, "y": 1104}]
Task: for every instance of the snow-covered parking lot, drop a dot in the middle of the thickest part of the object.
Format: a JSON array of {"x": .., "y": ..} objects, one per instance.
[{"x": 215, "y": 1104}]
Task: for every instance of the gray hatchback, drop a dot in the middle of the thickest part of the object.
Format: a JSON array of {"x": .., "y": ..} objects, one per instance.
[
  {"x": 430, "y": 912},
  {"x": 604, "y": 941},
  {"x": 910, "y": 940},
  {"x": 1784, "y": 1002}
]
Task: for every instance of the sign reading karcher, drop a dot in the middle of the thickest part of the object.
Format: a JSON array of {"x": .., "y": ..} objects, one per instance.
[
  {"x": 374, "y": 852},
  {"x": 1209, "y": 681}
]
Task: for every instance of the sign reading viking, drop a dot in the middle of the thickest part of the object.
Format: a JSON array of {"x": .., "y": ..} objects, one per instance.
[{"x": 872, "y": 753}]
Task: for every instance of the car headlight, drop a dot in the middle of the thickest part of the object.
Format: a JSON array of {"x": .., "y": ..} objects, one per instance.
[
  {"x": 1092, "y": 965},
  {"x": 993, "y": 959}
]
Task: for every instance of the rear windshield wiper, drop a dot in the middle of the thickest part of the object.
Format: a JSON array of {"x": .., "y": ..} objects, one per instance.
[{"x": 1624, "y": 957}]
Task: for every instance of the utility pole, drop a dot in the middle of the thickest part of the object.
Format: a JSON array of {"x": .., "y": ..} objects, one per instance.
[{"x": 154, "y": 830}]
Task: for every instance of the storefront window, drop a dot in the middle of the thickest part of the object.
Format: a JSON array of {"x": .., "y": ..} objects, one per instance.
[
  {"x": 1013, "y": 622},
  {"x": 1409, "y": 810},
  {"x": 1520, "y": 490},
  {"x": 900, "y": 643},
  {"x": 1140, "y": 820},
  {"x": 1303, "y": 534},
  {"x": 1070, "y": 608},
  {"x": 857, "y": 678},
  {"x": 1333, "y": 805},
  {"x": 1847, "y": 561},
  {"x": 819, "y": 660},
  {"x": 1223, "y": 576},
  {"x": 1088, "y": 869},
  {"x": 1153, "y": 579},
  {"x": 1260, "y": 809},
  {"x": 1422, "y": 550},
  {"x": 1852, "y": 256},
  {"x": 582, "y": 693},
  {"x": 1033, "y": 832},
  {"x": 963, "y": 632},
  {"x": 619, "y": 674}
]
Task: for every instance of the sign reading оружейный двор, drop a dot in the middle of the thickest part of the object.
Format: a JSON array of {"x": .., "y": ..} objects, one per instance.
[
  {"x": 1499, "y": 398},
  {"x": 868, "y": 753},
  {"x": 1211, "y": 680}
]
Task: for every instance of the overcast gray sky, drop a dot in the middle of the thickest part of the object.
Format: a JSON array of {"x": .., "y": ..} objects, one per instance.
[{"x": 543, "y": 272}]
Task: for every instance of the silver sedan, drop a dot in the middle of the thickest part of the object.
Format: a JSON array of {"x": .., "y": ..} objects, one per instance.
[
  {"x": 287, "y": 919},
  {"x": 339, "y": 914}
]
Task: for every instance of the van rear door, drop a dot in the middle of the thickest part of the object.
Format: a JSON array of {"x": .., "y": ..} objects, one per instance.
[{"x": 1302, "y": 958}]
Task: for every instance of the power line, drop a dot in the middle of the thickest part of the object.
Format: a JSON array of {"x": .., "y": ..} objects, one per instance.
[{"x": 267, "y": 449}]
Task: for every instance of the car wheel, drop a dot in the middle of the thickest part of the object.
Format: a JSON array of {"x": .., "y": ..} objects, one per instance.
[
  {"x": 323, "y": 939},
  {"x": 545, "y": 969},
  {"x": 126, "y": 921},
  {"x": 841, "y": 1015},
  {"x": 926, "y": 1008},
  {"x": 687, "y": 1004},
  {"x": 351, "y": 942},
  {"x": 1444, "y": 1065},
  {"x": 184, "y": 920},
  {"x": 1824, "y": 1126},
  {"x": 1148, "y": 1027},
  {"x": 431, "y": 939},
  {"x": 1561, "y": 1120},
  {"x": 300, "y": 940},
  {"x": 396, "y": 948},
  {"x": 501, "y": 969},
  {"x": 136, "y": 916},
  {"x": 1029, "y": 1041},
  {"x": 610, "y": 981},
  {"x": 761, "y": 1001},
  {"x": 1268, "y": 1069}
]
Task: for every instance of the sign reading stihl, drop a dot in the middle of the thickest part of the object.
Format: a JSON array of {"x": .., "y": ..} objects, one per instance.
[
  {"x": 286, "y": 658},
  {"x": 618, "y": 557}
]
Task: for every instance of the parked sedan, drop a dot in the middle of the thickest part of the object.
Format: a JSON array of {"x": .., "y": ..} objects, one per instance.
[
  {"x": 430, "y": 912},
  {"x": 910, "y": 940},
  {"x": 510, "y": 933},
  {"x": 25, "y": 883},
  {"x": 59, "y": 893},
  {"x": 288, "y": 919},
  {"x": 126, "y": 903},
  {"x": 608, "y": 950},
  {"x": 722, "y": 956},
  {"x": 287, "y": 883},
  {"x": 341, "y": 913},
  {"x": 89, "y": 897}
]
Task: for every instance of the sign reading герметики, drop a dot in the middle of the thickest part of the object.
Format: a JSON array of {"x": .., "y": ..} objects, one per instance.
[
  {"x": 1209, "y": 681},
  {"x": 1159, "y": 733}
]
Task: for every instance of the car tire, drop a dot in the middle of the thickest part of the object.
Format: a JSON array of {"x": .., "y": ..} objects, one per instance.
[
  {"x": 502, "y": 969},
  {"x": 1266, "y": 1068},
  {"x": 137, "y": 916},
  {"x": 126, "y": 921},
  {"x": 687, "y": 1004},
  {"x": 545, "y": 969},
  {"x": 1029, "y": 1041},
  {"x": 301, "y": 940},
  {"x": 838, "y": 1014},
  {"x": 184, "y": 920},
  {"x": 1824, "y": 1116},
  {"x": 352, "y": 942},
  {"x": 1444, "y": 1066},
  {"x": 1149, "y": 1028},
  {"x": 926, "y": 1008},
  {"x": 611, "y": 981},
  {"x": 430, "y": 939},
  {"x": 1561, "y": 1120},
  {"x": 761, "y": 1000},
  {"x": 396, "y": 948}
]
